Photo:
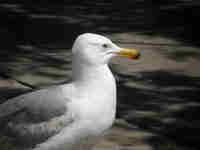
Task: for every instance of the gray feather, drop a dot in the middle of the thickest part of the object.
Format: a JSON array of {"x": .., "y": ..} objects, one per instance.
[{"x": 32, "y": 118}]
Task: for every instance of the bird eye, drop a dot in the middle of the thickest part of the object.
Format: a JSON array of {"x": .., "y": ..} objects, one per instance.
[{"x": 105, "y": 45}]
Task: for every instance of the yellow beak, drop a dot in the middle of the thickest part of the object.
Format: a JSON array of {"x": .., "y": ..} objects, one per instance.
[{"x": 127, "y": 52}]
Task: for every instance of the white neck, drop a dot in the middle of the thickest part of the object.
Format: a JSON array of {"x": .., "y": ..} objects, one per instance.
[
  {"x": 98, "y": 85},
  {"x": 88, "y": 75}
]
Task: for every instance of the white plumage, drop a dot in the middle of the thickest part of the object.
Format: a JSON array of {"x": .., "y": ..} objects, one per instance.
[{"x": 70, "y": 116}]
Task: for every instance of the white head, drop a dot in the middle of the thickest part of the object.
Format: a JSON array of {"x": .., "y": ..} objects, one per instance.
[{"x": 93, "y": 49}]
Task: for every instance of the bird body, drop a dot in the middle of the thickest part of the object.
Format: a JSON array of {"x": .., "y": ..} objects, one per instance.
[{"x": 69, "y": 116}]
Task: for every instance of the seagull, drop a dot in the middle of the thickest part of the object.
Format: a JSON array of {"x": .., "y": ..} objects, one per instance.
[{"x": 70, "y": 116}]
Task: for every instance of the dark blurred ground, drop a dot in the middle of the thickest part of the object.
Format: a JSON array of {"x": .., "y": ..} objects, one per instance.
[{"x": 158, "y": 94}]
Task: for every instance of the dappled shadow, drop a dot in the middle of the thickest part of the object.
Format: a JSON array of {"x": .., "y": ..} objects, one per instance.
[
  {"x": 183, "y": 55},
  {"x": 177, "y": 19},
  {"x": 57, "y": 24},
  {"x": 27, "y": 60},
  {"x": 164, "y": 79},
  {"x": 164, "y": 103},
  {"x": 48, "y": 26}
]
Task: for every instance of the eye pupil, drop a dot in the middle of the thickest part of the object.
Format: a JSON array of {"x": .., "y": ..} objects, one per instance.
[{"x": 105, "y": 45}]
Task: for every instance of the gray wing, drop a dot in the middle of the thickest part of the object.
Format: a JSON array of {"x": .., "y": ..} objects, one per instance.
[{"x": 32, "y": 118}]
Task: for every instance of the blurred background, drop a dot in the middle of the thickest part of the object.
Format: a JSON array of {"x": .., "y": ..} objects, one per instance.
[{"x": 158, "y": 103}]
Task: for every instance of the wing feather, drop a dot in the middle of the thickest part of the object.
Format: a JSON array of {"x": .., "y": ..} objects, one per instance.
[{"x": 32, "y": 118}]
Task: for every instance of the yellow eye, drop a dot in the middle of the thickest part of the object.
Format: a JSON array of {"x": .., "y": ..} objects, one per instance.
[{"x": 105, "y": 45}]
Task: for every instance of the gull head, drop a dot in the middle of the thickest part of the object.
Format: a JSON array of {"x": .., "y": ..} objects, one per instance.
[{"x": 94, "y": 49}]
